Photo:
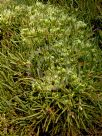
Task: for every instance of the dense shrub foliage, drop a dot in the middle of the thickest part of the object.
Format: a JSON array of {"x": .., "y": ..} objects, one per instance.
[{"x": 50, "y": 73}]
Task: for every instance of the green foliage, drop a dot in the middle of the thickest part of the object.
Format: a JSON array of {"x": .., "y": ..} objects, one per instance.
[
  {"x": 87, "y": 9},
  {"x": 50, "y": 72}
]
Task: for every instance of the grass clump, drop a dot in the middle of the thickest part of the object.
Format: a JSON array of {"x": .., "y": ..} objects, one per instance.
[{"x": 50, "y": 73}]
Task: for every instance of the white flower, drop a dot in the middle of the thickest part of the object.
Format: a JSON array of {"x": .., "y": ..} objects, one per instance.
[
  {"x": 80, "y": 24},
  {"x": 39, "y": 4},
  {"x": 18, "y": 8}
]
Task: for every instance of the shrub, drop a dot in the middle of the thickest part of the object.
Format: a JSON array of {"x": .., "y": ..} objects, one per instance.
[{"x": 50, "y": 72}]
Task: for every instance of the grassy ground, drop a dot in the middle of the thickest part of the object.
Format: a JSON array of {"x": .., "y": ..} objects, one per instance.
[{"x": 50, "y": 72}]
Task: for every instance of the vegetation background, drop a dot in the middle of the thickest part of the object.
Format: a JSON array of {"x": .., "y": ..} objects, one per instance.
[{"x": 50, "y": 68}]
